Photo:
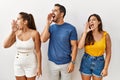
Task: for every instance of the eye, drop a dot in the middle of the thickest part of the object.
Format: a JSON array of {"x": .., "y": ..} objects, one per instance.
[{"x": 94, "y": 19}]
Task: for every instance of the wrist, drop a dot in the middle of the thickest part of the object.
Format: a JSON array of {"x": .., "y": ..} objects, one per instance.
[
  {"x": 14, "y": 30},
  {"x": 48, "y": 23},
  {"x": 73, "y": 62},
  {"x": 85, "y": 32}
]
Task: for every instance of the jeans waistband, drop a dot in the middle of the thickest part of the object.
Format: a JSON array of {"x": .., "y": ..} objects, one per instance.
[{"x": 86, "y": 54}]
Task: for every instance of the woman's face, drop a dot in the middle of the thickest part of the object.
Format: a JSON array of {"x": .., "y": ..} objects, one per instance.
[
  {"x": 93, "y": 22},
  {"x": 20, "y": 22}
]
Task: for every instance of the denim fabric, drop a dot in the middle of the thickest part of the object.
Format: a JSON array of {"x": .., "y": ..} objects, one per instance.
[{"x": 91, "y": 65}]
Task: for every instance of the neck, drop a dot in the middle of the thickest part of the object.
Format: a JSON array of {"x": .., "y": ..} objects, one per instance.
[
  {"x": 95, "y": 32},
  {"x": 60, "y": 21},
  {"x": 25, "y": 29}
]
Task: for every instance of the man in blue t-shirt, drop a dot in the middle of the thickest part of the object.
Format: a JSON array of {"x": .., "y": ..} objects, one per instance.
[{"x": 62, "y": 44}]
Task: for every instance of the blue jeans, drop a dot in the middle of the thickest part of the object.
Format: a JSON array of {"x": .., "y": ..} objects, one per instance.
[{"x": 91, "y": 65}]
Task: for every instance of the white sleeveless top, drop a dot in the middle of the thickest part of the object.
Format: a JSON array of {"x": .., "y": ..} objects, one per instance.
[{"x": 25, "y": 46}]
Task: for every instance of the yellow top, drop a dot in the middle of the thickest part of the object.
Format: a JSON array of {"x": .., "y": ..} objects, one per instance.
[{"x": 98, "y": 48}]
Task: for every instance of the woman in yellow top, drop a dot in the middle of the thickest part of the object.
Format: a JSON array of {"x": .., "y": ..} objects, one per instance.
[{"x": 95, "y": 42}]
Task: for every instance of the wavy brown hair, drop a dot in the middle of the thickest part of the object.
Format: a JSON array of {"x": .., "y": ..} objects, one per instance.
[{"x": 89, "y": 38}]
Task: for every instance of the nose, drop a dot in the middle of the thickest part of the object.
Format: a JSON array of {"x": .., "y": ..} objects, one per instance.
[{"x": 91, "y": 22}]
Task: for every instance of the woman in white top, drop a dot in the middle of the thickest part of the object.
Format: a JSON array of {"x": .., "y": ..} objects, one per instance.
[{"x": 27, "y": 64}]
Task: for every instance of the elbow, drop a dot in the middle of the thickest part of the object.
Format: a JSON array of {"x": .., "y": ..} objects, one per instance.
[
  {"x": 43, "y": 41},
  {"x": 5, "y": 46},
  {"x": 80, "y": 47}
]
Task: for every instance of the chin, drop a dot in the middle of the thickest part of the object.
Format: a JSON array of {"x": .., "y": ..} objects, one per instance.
[
  {"x": 20, "y": 28},
  {"x": 54, "y": 20}
]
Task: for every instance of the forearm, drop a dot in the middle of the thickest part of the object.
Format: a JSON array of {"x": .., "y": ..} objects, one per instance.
[
  {"x": 39, "y": 60},
  {"x": 10, "y": 40},
  {"x": 74, "y": 52},
  {"x": 82, "y": 41},
  {"x": 107, "y": 61},
  {"x": 108, "y": 51},
  {"x": 45, "y": 34}
]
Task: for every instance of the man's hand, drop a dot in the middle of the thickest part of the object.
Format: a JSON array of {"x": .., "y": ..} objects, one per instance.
[{"x": 70, "y": 67}]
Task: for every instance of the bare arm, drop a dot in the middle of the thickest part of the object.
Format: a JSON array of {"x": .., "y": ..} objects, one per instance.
[
  {"x": 45, "y": 34},
  {"x": 73, "y": 55},
  {"x": 108, "y": 55},
  {"x": 38, "y": 53},
  {"x": 10, "y": 40},
  {"x": 74, "y": 49},
  {"x": 108, "y": 51},
  {"x": 81, "y": 42},
  {"x": 12, "y": 37}
]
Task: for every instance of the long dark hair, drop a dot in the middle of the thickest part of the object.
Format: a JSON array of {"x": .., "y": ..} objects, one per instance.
[
  {"x": 89, "y": 38},
  {"x": 30, "y": 19}
]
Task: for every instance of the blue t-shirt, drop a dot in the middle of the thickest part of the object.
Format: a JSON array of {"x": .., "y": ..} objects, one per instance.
[{"x": 59, "y": 50}]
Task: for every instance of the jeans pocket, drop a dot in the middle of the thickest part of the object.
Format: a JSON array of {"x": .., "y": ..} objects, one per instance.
[{"x": 101, "y": 59}]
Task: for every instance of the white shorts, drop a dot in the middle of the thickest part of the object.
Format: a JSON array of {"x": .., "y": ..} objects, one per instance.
[
  {"x": 59, "y": 72},
  {"x": 25, "y": 64}
]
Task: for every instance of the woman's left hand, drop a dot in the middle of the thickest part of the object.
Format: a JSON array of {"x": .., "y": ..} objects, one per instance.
[
  {"x": 39, "y": 72},
  {"x": 104, "y": 73}
]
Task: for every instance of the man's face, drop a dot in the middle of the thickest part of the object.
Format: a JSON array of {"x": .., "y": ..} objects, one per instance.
[{"x": 56, "y": 14}]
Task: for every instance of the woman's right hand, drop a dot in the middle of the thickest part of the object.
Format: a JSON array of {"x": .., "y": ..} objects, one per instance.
[
  {"x": 14, "y": 26},
  {"x": 87, "y": 27}
]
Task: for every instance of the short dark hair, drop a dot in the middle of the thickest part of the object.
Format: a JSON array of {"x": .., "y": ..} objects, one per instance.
[{"x": 62, "y": 9}]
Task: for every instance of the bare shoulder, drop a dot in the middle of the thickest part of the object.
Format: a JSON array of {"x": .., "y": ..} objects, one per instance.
[
  {"x": 35, "y": 34},
  {"x": 107, "y": 36}
]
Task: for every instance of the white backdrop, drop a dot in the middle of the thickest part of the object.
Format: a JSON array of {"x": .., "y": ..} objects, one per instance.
[{"x": 77, "y": 13}]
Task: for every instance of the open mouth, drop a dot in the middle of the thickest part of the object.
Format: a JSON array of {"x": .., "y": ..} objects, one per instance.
[
  {"x": 53, "y": 15},
  {"x": 91, "y": 25}
]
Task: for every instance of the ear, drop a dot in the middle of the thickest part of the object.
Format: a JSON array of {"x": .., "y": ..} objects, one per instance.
[
  {"x": 62, "y": 14},
  {"x": 99, "y": 22},
  {"x": 25, "y": 22}
]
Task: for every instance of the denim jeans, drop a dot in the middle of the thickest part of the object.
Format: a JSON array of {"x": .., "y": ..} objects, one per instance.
[{"x": 91, "y": 65}]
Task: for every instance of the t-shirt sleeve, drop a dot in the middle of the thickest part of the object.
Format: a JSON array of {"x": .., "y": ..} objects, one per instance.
[
  {"x": 73, "y": 35},
  {"x": 50, "y": 29}
]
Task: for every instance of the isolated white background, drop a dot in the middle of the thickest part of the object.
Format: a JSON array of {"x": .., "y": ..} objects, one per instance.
[{"x": 78, "y": 12}]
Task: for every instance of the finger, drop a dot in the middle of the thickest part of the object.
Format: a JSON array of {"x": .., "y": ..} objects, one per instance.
[
  {"x": 102, "y": 75},
  {"x": 69, "y": 71},
  {"x": 37, "y": 77}
]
